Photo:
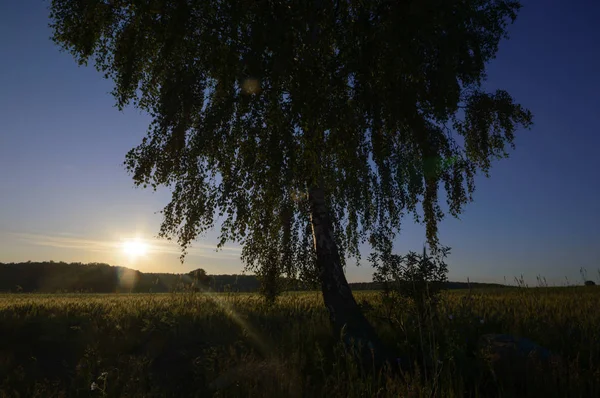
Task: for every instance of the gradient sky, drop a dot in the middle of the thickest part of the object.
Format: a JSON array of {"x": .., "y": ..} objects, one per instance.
[{"x": 65, "y": 196}]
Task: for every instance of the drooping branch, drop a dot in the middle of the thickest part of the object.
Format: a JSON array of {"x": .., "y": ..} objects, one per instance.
[{"x": 244, "y": 99}]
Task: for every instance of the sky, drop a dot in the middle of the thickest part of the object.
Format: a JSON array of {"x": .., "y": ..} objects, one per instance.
[{"x": 65, "y": 195}]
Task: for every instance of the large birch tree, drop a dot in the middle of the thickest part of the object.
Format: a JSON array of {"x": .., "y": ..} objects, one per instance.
[{"x": 304, "y": 126}]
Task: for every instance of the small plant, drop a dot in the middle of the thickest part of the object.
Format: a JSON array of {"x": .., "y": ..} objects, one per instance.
[
  {"x": 541, "y": 280},
  {"x": 416, "y": 278},
  {"x": 419, "y": 277},
  {"x": 102, "y": 379}
]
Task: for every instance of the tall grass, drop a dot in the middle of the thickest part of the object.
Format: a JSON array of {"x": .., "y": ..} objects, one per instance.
[{"x": 235, "y": 345}]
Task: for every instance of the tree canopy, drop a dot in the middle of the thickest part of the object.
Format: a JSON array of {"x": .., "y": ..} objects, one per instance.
[{"x": 252, "y": 102}]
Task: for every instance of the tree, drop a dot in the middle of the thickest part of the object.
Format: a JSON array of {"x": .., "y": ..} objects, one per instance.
[
  {"x": 200, "y": 278},
  {"x": 271, "y": 284},
  {"x": 304, "y": 126},
  {"x": 590, "y": 283}
]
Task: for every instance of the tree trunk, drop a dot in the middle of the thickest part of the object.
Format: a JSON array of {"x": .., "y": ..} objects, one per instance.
[{"x": 346, "y": 316}]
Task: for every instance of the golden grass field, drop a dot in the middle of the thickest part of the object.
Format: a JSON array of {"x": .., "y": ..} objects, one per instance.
[{"x": 235, "y": 345}]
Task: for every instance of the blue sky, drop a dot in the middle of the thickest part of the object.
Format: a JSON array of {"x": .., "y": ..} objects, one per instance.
[{"x": 64, "y": 194}]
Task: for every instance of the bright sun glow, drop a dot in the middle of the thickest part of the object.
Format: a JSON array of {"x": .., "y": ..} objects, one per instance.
[{"x": 135, "y": 248}]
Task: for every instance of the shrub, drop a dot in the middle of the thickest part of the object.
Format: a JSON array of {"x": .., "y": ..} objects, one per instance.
[{"x": 419, "y": 277}]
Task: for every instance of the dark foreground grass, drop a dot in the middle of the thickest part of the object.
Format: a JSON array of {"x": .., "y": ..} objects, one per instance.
[{"x": 201, "y": 345}]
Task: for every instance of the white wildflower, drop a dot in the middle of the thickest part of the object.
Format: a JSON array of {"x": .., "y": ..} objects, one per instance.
[{"x": 94, "y": 386}]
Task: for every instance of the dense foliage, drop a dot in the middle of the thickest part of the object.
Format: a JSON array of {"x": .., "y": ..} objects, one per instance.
[
  {"x": 233, "y": 345},
  {"x": 376, "y": 104}
]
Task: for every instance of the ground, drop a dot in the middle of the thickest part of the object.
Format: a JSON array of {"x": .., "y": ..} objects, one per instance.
[{"x": 221, "y": 345}]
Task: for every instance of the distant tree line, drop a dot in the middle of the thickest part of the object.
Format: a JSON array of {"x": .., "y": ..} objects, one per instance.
[
  {"x": 56, "y": 277},
  {"x": 51, "y": 277}
]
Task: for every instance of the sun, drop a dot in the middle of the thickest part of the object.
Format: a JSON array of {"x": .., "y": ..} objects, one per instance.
[{"x": 135, "y": 248}]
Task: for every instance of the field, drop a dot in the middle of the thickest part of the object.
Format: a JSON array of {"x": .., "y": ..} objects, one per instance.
[{"x": 222, "y": 345}]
